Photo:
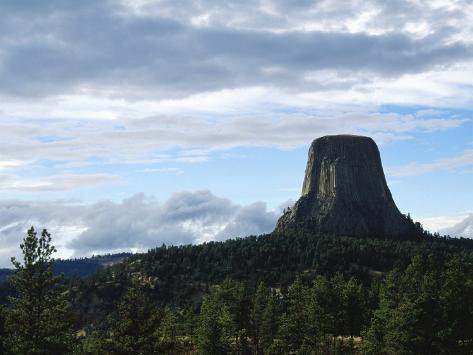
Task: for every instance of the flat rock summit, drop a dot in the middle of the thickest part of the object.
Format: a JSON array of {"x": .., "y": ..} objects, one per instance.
[{"x": 345, "y": 193}]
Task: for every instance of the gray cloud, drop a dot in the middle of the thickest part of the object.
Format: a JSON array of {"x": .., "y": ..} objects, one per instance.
[
  {"x": 56, "y": 182},
  {"x": 62, "y": 47},
  {"x": 145, "y": 51},
  {"x": 283, "y": 15},
  {"x": 136, "y": 223},
  {"x": 249, "y": 220}
]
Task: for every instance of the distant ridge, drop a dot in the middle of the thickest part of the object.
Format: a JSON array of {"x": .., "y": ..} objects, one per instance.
[
  {"x": 79, "y": 267},
  {"x": 345, "y": 193}
]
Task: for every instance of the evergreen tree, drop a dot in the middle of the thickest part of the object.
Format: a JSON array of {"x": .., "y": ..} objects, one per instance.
[
  {"x": 225, "y": 320},
  {"x": 294, "y": 327},
  {"x": 374, "y": 335},
  {"x": 426, "y": 309},
  {"x": 39, "y": 321},
  {"x": 324, "y": 308},
  {"x": 269, "y": 323},
  {"x": 261, "y": 299},
  {"x": 134, "y": 328},
  {"x": 3, "y": 335},
  {"x": 215, "y": 327},
  {"x": 168, "y": 332},
  {"x": 354, "y": 307}
]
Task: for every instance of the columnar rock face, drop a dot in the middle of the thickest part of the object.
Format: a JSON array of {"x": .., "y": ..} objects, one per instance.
[{"x": 345, "y": 192}]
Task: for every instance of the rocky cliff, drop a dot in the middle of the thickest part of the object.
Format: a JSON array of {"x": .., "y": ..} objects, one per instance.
[{"x": 345, "y": 193}]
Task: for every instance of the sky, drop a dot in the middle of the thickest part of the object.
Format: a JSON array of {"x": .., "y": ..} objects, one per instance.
[{"x": 127, "y": 124}]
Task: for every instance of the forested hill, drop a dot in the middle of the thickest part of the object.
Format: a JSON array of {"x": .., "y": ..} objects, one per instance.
[
  {"x": 181, "y": 275},
  {"x": 291, "y": 293},
  {"x": 78, "y": 267}
]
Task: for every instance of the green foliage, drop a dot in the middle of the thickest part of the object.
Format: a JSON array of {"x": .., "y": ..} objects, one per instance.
[
  {"x": 294, "y": 323},
  {"x": 133, "y": 327},
  {"x": 168, "y": 331},
  {"x": 426, "y": 309},
  {"x": 3, "y": 333},
  {"x": 39, "y": 320},
  {"x": 278, "y": 294},
  {"x": 224, "y": 320},
  {"x": 261, "y": 337},
  {"x": 181, "y": 275},
  {"x": 215, "y": 327}
]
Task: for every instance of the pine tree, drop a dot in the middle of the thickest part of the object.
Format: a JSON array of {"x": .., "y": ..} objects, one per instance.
[
  {"x": 168, "y": 332},
  {"x": 426, "y": 309},
  {"x": 294, "y": 323},
  {"x": 39, "y": 321},
  {"x": 134, "y": 329},
  {"x": 3, "y": 334},
  {"x": 269, "y": 323},
  {"x": 224, "y": 320},
  {"x": 261, "y": 299},
  {"x": 215, "y": 327},
  {"x": 354, "y": 307}
]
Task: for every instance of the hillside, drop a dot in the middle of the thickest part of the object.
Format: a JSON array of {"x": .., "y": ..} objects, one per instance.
[
  {"x": 70, "y": 268},
  {"x": 360, "y": 286},
  {"x": 181, "y": 275},
  {"x": 80, "y": 267},
  {"x": 280, "y": 293}
]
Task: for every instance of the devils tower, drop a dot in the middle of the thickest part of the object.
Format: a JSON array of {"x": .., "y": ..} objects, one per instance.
[{"x": 345, "y": 193}]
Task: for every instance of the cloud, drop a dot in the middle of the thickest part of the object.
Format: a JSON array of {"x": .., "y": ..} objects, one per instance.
[
  {"x": 162, "y": 139},
  {"x": 463, "y": 228},
  {"x": 371, "y": 16},
  {"x": 136, "y": 223},
  {"x": 464, "y": 160},
  {"x": 141, "y": 81},
  {"x": 175, "y": 171},
  {"x": 440, "y": 223},
  {"x": 101, "y": 47},
  {"x": 56, "y": 183},
  {"x": 8, "y": 164},
  {"x": 248, "y": 221}
]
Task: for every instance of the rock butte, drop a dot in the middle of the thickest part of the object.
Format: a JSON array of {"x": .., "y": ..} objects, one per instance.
[{"x": 345, "y": 193}]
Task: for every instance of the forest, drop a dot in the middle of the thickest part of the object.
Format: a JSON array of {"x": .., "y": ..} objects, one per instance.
[{"x": 292, "y": 293}]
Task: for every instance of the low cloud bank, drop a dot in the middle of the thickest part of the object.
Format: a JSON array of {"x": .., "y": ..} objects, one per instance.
[
  {"x": 461, "y": 229},
  {"x": 137, "y": 223}
]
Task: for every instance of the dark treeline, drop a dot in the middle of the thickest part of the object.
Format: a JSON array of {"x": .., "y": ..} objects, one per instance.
[
  {"x": 181, "y": 275},
  {"x": 291, "y": 294},
  {"x": 77, "y": 267}
]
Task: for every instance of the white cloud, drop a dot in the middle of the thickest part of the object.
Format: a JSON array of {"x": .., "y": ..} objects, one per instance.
[
  {"x": 56, "y": 183},
  {"x": 463, "y": 228},
  {"x": 167, "y": 75},
  {"x": 161, "y": 139},
  {"x": 136, "y": 223},
  {"x": 7, "y": 164},
  {"x": 175, "y": 171},
  {"x": 464, "y": 160},
  {"x": 440, "y": 223}
]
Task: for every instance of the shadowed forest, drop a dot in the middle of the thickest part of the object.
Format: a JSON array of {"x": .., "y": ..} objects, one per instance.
[{"x": 272, "y": 294}]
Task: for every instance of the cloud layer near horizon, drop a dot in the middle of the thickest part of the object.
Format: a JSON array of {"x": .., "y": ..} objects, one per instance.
[
  {"x": 141, "y": 222},
  {"x": 135, "y": 224},
  {"x": 463, "y": 228}
]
